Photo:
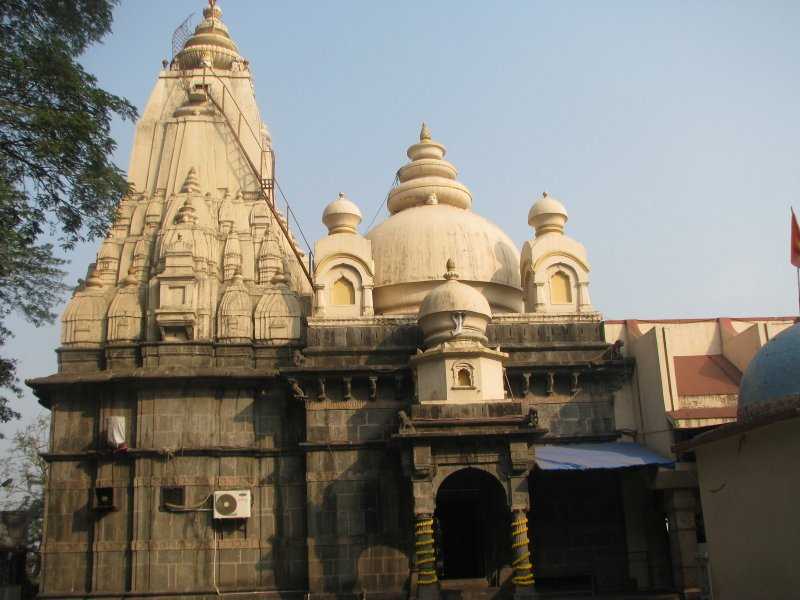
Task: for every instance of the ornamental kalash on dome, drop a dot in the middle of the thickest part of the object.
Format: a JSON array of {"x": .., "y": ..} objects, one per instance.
[
  {"x": 457, "y": 366},
  {"x": 431, "y": 221},
  {"x": 211, "y": 44}
]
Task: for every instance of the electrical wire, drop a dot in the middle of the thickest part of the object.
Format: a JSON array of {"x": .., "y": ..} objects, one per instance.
[{"x": 385, "y": 200}]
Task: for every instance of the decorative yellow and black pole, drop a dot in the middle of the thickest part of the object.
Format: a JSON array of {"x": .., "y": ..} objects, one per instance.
[
  {"x": 523, "y": 569},
  {"x": 425, "y": 556}
]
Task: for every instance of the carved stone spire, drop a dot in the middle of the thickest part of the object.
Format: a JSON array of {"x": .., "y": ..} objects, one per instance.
[
  {"x": 192, "y": 184},
  {"x": 232, "y": 257},
  {"x": 210, "y": 43},
  {"x": 428, "y": 178},
  {"x": 269, "y": 258}
]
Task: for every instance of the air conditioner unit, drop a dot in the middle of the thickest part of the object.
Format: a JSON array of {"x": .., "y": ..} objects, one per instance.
[{"x": 232, "y": 505}]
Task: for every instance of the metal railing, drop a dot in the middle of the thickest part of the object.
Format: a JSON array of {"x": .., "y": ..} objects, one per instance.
[{"x": 264, "y": 171}]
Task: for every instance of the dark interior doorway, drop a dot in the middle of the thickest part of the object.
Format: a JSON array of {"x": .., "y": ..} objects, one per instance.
[
  {"x": 472, "y": 526},
  {"x": 578, "y": 531}
]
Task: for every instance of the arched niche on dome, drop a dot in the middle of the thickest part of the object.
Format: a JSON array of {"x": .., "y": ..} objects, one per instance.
[
  {"x": 343, "y": 287},
  {"x": 561, "y": 287},
  {"x": 343, "y": 292},
  {"x": 557, "y": 283},
  {"x": 463, "y": 376}
]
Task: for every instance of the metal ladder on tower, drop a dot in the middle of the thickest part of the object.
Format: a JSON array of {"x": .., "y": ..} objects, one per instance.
[{"x": 267, "y": 184}]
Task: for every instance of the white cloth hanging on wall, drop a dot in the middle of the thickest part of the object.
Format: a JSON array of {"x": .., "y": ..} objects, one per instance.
[{"x": 115, "y": 431}]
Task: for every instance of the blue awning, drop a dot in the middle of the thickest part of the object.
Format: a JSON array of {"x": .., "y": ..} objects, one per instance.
[{"x": 611, "y": 455}]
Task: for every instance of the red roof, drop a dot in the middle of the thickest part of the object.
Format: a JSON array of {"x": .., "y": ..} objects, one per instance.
[
  {"x": 712, "y": 412},
  {"x": 705, "y": 375}
]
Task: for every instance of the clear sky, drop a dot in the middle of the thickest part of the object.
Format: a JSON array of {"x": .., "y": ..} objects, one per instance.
[{"x": 670, "y": 130}]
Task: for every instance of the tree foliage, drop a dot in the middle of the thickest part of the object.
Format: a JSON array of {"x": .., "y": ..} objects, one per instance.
[{"x": 56, "y": 175}]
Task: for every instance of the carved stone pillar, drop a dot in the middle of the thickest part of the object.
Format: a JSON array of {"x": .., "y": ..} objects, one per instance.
[
  {"x": 425, "y": 557},
  {"x": 539, "y": 304},
  {"x": 319, "y": 300},
  {"x": 368, "y": 309},
  {"x": 584, "y": 303},
  {"x": 425, "y": 583},
  {"x": 520, "y": 548}
]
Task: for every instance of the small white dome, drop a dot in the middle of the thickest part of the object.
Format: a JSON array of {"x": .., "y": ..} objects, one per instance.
[
  {"x": 547, "y": 215},
  {"x": 341, "y": 216},
  {"x": 453, "y": 310}
]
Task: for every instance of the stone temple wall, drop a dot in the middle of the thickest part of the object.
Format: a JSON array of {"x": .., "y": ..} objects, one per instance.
[
  {"x": 202, "y": 437},
  {"x": 308, "y": 429}
]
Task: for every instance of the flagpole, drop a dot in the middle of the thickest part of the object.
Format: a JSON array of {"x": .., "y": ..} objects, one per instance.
[{"x": 794, "y": 252}]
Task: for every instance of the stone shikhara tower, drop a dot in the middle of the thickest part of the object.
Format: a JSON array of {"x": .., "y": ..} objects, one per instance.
[{"x": 229, "y": 415}]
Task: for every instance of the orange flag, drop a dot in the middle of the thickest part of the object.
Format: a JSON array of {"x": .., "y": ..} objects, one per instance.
[{"x": 795, "y": 250}]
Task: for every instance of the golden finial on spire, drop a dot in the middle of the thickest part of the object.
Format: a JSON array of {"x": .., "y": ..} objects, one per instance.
[
  {"x": 212, "y": 3},
  {"x": 425, "y": 133}
]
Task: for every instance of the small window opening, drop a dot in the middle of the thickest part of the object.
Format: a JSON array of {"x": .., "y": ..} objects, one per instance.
[
  {"x": 173, "y": 497},
  {"x": 344, "y": 293},
  {"x": 104, "y": 499},
  {"x": 464, "y": 378}
]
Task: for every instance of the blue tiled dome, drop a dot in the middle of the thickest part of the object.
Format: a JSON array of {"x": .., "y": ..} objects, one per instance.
[{"x": 771, "y": 382}]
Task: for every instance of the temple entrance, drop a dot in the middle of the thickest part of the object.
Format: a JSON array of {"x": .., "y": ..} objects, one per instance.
[{"x": 472, "y": 526}]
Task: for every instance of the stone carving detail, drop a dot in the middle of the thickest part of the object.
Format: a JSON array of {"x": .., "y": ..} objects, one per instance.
[
  {"x": 574, "y": 387},
  {"x": 269, "y": 258},
  {"x": 298, "y": 358},
  {"x": 125, "y": 313},
  {"x": 234, "y": 318},
  {"x": 551, "y": 383},
  {"x": 108, "y": 260},
  {"x": 322, "y": 394},
  {"x": 406, "y": 424},
  {"x": 232, "y": 257},
  {"x": 278, "y": 315},
  {"x": 297, "y": 391},
  {"x": 84, "y": 320},
  {"x": 458, "y": 323},
  {"x": 526, "y": 383}
]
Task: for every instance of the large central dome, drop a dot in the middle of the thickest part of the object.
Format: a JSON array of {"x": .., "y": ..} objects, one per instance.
[{"x": 431, "y": 223}]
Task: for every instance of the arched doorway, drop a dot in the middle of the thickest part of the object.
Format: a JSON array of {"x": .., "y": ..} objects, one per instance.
[{"x": 472, "y": 526}]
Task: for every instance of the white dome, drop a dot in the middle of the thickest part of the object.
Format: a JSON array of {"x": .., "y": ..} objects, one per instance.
[
  {"x": 447, "y": 300},
  {"x": 431, "y": 223},
  {"x": 341, "y": 216},
  {"x": 410, "y": 247},
  {"x": 452, "y": 295},
  {"x": 547, "y": 215}
]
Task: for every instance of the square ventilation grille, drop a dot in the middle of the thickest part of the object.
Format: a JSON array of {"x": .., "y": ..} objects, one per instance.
[{"x": 232, "y": 504}]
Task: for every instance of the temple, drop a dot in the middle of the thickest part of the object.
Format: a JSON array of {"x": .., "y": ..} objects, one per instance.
[{"x": 416, "y": 411}]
